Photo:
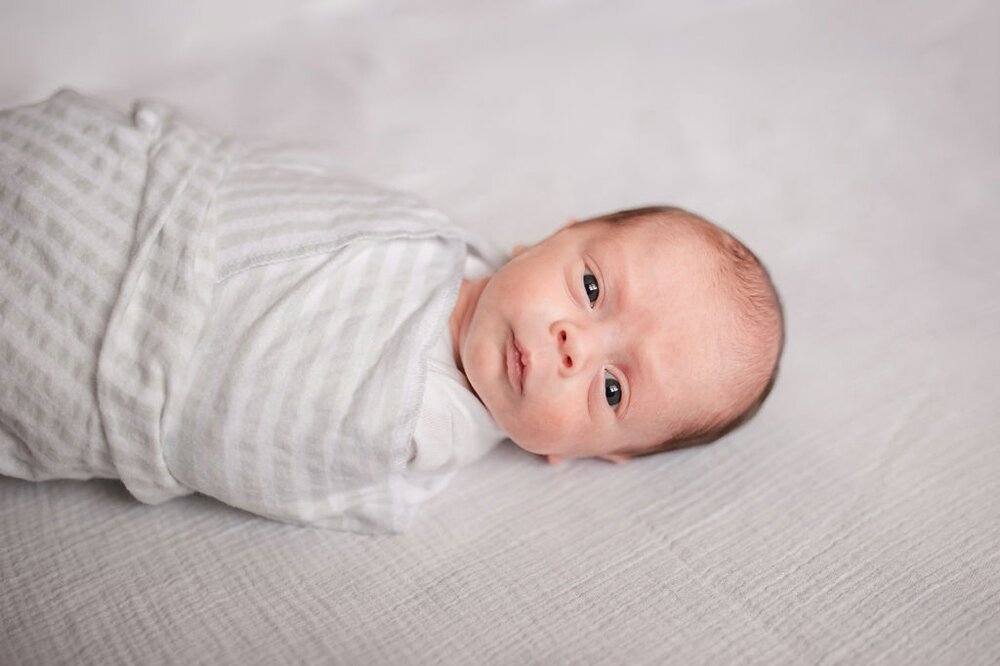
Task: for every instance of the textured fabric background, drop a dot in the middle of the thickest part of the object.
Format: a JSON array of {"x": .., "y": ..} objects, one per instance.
[{"x": 854, "y": 146}]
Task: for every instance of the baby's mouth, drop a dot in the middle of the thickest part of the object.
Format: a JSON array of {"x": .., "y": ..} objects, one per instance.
[{"x": 515, "y": 364}]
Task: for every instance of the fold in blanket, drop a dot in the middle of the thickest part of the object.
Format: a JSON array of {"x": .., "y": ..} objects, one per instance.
[{"x": 125, "y": 354}]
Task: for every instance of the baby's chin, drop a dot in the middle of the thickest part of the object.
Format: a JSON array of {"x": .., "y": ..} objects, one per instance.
[
  {"x": 531, "y": 444},
  {"x": 512, "y": 433},
  {"x": 529, "y": 449}
]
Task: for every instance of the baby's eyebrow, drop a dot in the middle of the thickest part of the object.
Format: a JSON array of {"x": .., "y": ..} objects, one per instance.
[
  {"x": 610, "y": 266},
  {"x": 624, "y": 292},
  {"x": 637, "y": 354}
]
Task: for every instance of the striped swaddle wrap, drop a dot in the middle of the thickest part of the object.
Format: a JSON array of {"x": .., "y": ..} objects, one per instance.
[
  {"x": 107, "y": 260},
  {"x": 191, "y": 314}
]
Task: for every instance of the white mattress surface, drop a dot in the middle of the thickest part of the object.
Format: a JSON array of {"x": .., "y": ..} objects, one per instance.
[{"x": 854, "y": 146}]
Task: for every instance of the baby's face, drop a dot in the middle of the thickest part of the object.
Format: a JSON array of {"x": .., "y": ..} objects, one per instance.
[{"x": 619, "y": 334}]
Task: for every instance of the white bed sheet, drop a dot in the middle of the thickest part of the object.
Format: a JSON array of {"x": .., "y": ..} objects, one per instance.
[{"x": 854, "y": 146}]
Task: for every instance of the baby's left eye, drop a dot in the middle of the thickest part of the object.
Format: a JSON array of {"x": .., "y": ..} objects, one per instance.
[
  {"x": 590, "y": 285},
  {"x": 612, "y": 389}
]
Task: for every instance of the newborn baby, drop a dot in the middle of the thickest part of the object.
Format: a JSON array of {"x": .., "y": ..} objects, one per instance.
[
  {"x": 189, "y": 313},
  {"x": 620, "y": 336}
]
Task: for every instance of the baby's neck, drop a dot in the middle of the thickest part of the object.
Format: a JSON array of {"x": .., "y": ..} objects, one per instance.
[{"x": 458, "y": 323}]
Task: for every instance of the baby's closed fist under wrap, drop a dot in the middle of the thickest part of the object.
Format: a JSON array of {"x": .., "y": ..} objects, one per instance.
[{"x": 189, "y": 313}]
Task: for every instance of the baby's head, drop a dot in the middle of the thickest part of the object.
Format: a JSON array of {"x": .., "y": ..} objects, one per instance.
[{"x": 632, "y": 333}]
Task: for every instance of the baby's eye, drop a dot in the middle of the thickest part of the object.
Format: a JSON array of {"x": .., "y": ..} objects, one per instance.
[
  {"x": 612, "y": 389},
  {"x": 590, "y": 285}
]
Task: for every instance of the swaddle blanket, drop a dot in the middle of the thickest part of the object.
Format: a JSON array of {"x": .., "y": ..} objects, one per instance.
[{"x": 129, "y": 352}]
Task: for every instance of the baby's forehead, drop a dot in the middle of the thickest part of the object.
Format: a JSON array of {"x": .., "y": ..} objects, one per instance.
[{"x": 674, "y": 315}]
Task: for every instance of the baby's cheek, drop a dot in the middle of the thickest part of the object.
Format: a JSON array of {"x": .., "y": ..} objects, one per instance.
[{"x": 549, "y": 426}]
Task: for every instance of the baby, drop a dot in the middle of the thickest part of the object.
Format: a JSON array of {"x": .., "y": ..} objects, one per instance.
[
  {"x": 624, "y": 335},
  {"x": 190, "y": 313}
]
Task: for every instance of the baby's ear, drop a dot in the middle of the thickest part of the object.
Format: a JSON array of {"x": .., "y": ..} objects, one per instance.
[{"x": 616, "y": 458}]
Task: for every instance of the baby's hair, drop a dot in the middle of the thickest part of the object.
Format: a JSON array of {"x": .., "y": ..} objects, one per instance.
[{"x": 760, "y": 314}]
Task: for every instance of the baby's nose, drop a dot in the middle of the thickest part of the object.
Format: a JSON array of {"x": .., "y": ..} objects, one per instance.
[
  {"x": 567, "y": 358},
  {"x": 572, "y": 346}
]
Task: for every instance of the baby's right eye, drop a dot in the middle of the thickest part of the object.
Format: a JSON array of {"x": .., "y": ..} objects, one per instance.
[{"x": 590, "y": 285}]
